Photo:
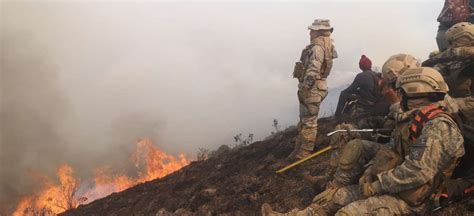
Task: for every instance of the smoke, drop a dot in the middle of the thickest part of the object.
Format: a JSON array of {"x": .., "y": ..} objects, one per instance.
[{"x": 80, "y": 82}]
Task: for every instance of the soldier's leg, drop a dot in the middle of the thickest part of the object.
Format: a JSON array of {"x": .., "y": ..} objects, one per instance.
[
  {"x": 378, "y": 205},
  {"x": 309, "y": 126},
  {"x": 306, "y": 131},
  {"x": 353, "y": 160},
  {"x": 332, "y": 199},
  {"x": 325, "y": 203},
  {"x": 296, "y": 153},
  {"x": 337, "y": 142}
]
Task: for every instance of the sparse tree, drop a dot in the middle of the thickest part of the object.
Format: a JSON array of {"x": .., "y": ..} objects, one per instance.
[
  {"x": 239, "y": 141},
  {"x": 203, "y": 154},
  {"x": 276, "y": 126}
]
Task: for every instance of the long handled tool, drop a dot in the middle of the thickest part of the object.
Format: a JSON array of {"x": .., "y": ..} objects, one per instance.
[{"x": 304, "y": 159}]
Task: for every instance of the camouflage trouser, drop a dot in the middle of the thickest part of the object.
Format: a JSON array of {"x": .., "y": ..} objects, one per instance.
[
  {"x": 310, "y": 100},
  {"x": 307, "y": 126},
  {"x": 338, "y": 142},
  {"x": 348, "y": 200},
  {"x": 353, "y": 161},
  {"x": 381, "y": 205},
  {"x": 328, "y": 202}
]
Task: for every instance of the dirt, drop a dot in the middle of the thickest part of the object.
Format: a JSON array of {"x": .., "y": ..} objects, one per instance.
[{"x": 237, "y": 182}]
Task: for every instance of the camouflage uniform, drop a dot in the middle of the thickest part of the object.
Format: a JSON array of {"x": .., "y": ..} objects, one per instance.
[
  {"x": 436, "y": 150},
  {"x": 456, "y": 62},
  {"x": 312, "y": 70},
  {"x": 391, "y": 69},
  {"x": 425, "y": 159},
  {"x": 402, "y": 179}
]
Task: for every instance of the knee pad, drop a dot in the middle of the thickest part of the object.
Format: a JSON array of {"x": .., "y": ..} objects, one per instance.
[{"x": 351, "y": 154}]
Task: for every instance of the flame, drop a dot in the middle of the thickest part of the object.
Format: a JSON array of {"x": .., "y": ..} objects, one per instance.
[{"x": 151, "y": 163}]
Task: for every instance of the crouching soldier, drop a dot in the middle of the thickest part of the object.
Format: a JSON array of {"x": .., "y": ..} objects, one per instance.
[{"x": 427, "y": 145}]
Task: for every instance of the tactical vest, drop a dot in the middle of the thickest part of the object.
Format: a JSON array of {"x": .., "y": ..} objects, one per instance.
[
  {"x": 405, "y": 137},
  {"x": 329, "y": 53}
]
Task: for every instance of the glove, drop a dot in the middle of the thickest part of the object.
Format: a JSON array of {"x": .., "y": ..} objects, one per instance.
[
  {"x": 366, "y": 178},
  {"x": 370, "y": 189},
  {"x": 455, "y": 187}
]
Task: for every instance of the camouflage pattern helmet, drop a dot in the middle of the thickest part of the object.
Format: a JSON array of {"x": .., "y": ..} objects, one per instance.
[
  {"x": 460, "y": 30},
  {"x": 320, "y": 24},
  {"x": 396, "y": 65},
  {"x": 421, "y": 81}
]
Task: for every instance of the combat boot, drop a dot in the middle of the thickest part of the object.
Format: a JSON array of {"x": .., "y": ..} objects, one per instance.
[{"x": 300, "y": 151}]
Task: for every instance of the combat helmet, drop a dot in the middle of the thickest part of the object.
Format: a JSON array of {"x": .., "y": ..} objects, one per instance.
[
  {"x": 462, "y": 30},
  {"x": 397, "y": 65},
  {"x": 320, "y": 24},
  {"x": 420, "y": 81}
]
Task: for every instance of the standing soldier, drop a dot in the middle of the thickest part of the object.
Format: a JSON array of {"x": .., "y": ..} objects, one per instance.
[{"x": 311, "y": 71}]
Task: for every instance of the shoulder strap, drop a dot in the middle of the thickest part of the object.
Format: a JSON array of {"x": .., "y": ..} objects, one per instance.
[{"x": 424, "y": 115}]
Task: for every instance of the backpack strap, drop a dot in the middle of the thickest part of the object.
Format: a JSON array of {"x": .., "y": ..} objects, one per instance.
[{"x": 424, "y": 115}]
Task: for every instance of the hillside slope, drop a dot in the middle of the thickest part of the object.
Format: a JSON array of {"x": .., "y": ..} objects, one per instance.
[{"x": 233, "y": 183}]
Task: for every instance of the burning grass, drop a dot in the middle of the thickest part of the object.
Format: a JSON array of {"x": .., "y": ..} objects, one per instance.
[{"x": 69, "y": 192}]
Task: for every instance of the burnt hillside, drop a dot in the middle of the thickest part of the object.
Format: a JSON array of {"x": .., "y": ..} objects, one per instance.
[{"x": 237, "y": 182}]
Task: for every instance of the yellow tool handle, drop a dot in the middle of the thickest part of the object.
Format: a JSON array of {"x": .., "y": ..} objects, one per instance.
[{"x": 304, "y": 159}]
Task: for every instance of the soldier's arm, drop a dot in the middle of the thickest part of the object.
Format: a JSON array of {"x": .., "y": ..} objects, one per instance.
[
  {"x": 439, "y": 145},
  {"x": 451, "y": 54}
]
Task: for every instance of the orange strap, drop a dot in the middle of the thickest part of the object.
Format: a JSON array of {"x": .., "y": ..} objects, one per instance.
[{"x": 423, "y": 116}]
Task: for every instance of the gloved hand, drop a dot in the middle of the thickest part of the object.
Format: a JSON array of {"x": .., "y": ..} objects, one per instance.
[
  {"x": 370, "y": 189},
  {"x": 455, "y": 187},
  {"x": 366, "y": 178}
]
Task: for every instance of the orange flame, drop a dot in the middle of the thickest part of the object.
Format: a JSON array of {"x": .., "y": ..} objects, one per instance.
[{"x": 56, "y": 198}]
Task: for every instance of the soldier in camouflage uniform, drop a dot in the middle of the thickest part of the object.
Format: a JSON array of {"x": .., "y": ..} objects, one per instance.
[
  {"x": 428, "y": 144},
  {"x": 311, "y": 71},
  {"x": 456, "y": 64},
  {"x": 346, "y": 175}
]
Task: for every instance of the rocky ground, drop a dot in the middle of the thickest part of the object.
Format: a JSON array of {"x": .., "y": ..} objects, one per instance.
[{"x": 236, "y": 182}]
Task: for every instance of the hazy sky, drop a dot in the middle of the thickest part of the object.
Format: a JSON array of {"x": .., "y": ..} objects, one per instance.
[{"x": 82, "y": 80}]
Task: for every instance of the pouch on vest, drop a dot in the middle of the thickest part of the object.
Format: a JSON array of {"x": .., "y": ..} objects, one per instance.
[{"x": 298, "y": 71}]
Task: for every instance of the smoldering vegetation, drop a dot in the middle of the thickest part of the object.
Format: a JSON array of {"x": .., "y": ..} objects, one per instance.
[{"x": 81, "y": 82}]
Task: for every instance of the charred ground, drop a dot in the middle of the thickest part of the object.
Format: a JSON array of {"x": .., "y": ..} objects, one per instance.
[{"x": 234, "y": 182}]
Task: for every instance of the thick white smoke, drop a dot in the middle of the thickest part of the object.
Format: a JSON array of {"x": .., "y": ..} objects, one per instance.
[{"x": 81, "y": 81}]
